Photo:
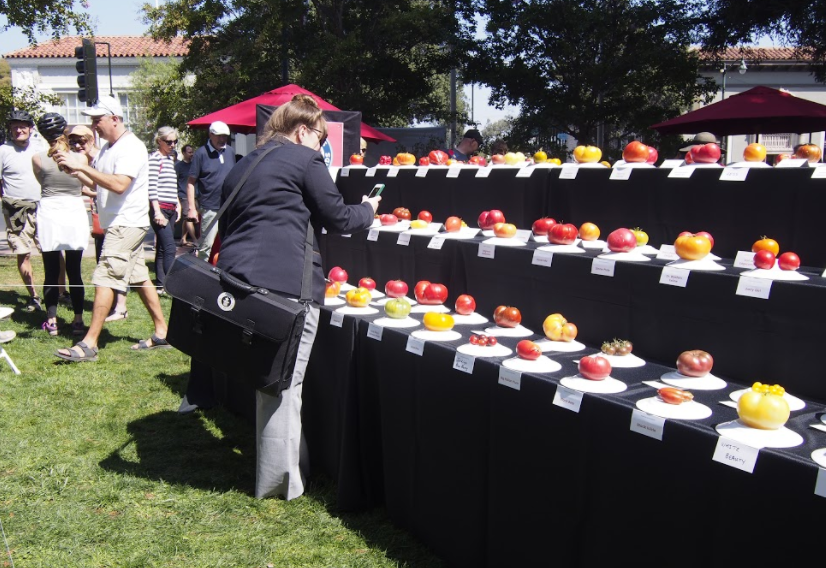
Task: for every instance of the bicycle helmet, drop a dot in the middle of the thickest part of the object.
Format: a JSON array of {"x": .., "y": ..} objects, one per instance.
[
  {"x": 51, "y": 126},
  {"x": 20, "y": 116}
]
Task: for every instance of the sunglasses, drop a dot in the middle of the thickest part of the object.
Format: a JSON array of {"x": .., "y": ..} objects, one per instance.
[
  {"x": 170, "y": 142},
  {"x": 77, "y": 142}
]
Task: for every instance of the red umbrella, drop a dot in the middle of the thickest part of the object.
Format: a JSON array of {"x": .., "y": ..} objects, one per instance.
[
  {"x": 761, "y": 110},
  {"x": 241, "y": 117}
]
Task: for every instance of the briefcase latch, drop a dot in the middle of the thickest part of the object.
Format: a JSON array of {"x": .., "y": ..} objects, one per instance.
[{"x": 246, "y": 336}]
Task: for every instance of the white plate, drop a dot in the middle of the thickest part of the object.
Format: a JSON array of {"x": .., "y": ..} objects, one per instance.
[
  {"x": 609, "y": 385},
  {"x": 431, "y": 229},
  {"x": 634, "y": 165},
  {"x": 423, "y": 309},
  {"x": 633, "y": 256},
  {"x": 397, "y": 323},
  {"x": 497, "y": 350},
  {"x": 334, "y": 301},
  {"x": 704, "y": 264},
  {"x": 709, "y": 382},
  {"x": 500, "y": 242},
  {"x": 560, "y": 346},
  {"x": 794, "y": 402},
  {"x": 375, "y": 294},
  {"x": 5, "y": 311},
  {"x": 540, "y": 238},
  {"x": 819, "y": 457},
  {"x": 823, "y": 418},
  {"x": 428, "y": 335},
  {"x": 648, "y": 249},
  {"x": 739, "y": 432},
  {"x": 541, "y": 365},
  {"x": 470, "y": 319},
  {"x": 487, "y": 233},
  {"x": 463, "y": 233},
  {"x": 623, "y": 361},
  {"x": 351, "y": 311},
  {"x": 686, "y": 411},
  {"x": 748, "y": 165},
  {"x": 563, "y": 249},
  {"x": 383, "y": 301},
  {"x": 775, "y": 273},
  {"x": 518, "y": 331},
  {"x": 345, "y": 287},
  {"x": 399, "y": 227},
  {"x": 592, "y": 245}
]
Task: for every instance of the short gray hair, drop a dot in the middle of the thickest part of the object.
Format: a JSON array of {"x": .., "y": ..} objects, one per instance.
[{"x": 165, "y": 131}]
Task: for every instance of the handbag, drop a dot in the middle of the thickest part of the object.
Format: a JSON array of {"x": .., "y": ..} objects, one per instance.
[
  {"x": 250, "y": 333},
  {"x": 97, "y": 231}
]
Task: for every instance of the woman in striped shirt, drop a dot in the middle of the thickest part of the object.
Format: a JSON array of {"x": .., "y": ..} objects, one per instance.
[{"x": 165, "y": 208}]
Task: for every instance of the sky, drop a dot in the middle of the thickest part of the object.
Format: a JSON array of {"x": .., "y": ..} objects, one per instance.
[{"x": 123, "y": 17}]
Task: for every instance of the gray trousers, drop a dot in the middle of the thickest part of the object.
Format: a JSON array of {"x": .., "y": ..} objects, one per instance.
[{"x": 283, "y": 461}]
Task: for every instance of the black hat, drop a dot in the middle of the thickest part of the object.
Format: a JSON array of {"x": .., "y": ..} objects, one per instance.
[
  {"x": 475, "y": 134},
  {"x": 51, "y": 126},
  {"x": 20, "y": 116},
  {"x": 701, "y": 138}
]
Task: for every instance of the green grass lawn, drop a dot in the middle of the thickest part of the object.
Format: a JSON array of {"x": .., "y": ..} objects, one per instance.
[{"x": 98, "y": 469}]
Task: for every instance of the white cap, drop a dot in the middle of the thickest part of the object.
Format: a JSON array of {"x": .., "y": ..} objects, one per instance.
[
  {"x": 219, "y": 128},
  {"x": 105, "y": 105}
]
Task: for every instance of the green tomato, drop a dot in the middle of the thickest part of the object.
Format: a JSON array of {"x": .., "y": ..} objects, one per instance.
[{"x": 397, "y": 308}]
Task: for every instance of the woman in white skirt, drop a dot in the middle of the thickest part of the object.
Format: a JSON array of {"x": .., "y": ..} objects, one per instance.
[{"x": 62, "y": 224}]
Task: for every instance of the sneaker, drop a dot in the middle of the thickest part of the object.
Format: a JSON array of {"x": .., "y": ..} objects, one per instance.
[
  {"x": 6, "y": 336},
  {"x": 51, "y": 328},
  {"x": 34, "y": 305},
  {"x": 65, "y": 299}
]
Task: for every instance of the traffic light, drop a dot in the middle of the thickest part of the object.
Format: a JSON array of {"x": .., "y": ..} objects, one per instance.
[{"x": 87, "y": 69}]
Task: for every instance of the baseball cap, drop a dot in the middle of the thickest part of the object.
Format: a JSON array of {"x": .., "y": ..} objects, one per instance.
[
  {"x": 701, "y": 138},
  {"x": 81, "y": 130},
  {"x": 105, "y": 105},
  {"x": 219, "y": 128},
  {"x": 475, "y": 134}
]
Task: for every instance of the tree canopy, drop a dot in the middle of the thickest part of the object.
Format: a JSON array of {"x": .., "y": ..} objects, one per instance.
[{"x": 54, "y": 17}]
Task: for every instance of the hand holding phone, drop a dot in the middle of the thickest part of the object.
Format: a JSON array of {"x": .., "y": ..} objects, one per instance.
[{"x": 376, "y": 191}]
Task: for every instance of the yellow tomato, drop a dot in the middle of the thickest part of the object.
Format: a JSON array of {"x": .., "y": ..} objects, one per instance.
[
  {"x": 435, "y": 321},
  {"x": 587, "y": 154},
  {"x": 556, "y": 161},
  {"x": 540, "y": 157},
  {"x": 606, "y": 164},
  {"x": 358, "y": 297},
  {"x": 642, "y": 236},
  {"x": 332, "y": 289},
  {"x": 418, "y": 224},
  {"x": 755, "y": 152},
  {"x": 557, "y": 331},
  {"x": 692, "y": 247},
  {"x": 588, "y": 232},
  {"x": 763, "y": 407},
  {"x": 552, "y": 324}
]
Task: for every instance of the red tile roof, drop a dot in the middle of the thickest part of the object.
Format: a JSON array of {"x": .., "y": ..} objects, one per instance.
[
  {"x": 787, "y": 54},
  {"x": 122, "y": 46}
]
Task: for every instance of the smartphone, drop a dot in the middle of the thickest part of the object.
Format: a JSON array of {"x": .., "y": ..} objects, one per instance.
[{"x": 376, "y": 191}]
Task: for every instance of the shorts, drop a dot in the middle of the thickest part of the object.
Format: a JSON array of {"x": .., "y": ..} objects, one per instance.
[
  {"x": 121, "y": 260},
  {"x": 23, "y": 241}
]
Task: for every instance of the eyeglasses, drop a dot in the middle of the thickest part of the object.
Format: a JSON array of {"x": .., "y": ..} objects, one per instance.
[
  {"x": 170, "y": 142},
  {"x": 77, "y": 142},
  {"x": 321, "y": 136}
]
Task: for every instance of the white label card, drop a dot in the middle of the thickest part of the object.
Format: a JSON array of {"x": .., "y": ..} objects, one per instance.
[
  {"x": 524, "y": 172},
  {"x": 393, "y": 172},
  {"x": 542, "y": 258},
  {"x": 345, "y": 172},
  {"x": 744, "y": 259},
  {"x": 523, "y": 235},
  {"x": 620, "y": 173},
  {"x": 371, "y": 172},
  {"x": 736, "y": 455},
  {"x": 603, "y": 267},
  {"x": 464, "y": 363},
  {"x": 647, "y": 424},
  {"x": 422, "y": 171},
  {"x": 323, "y": 231},
  {"x": 436, "y": 242},
  {"x": 510, "y": 378},
  {"x": 375, "y": 331},
  {"x": 729, "y": 403},
  {"x": 754, "y": 287},
  {"x": 820, "y": 484},
  {"x": 683, "y": 172},
  {"x": 791, "y": 163},
  {"x": 671, "y": 163},
  {"x": 373, "y": 235},
  {"x": 453, "y": 171},
  {"x": 667, "y": 252},
  {"x": 672, "y": 276},
  {"x": 487, "y": 250},
  {"x": 734, "y": 174},
  {"x": 483, "y": 172},
  {"x": 404, "y": 239},
  {"x": 568, "y": 172},
  {"x": 821, "y": 427},
  {"x": 568, "y": 399},
  {"x": 414, "y": 345},
  {"x": 819, "y": 173},
  {"x": 336, "y": 319},
  {"x": 347, "y": 236}
]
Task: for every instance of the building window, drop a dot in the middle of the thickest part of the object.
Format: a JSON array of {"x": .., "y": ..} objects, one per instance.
[{"x": 72, "y": 107}]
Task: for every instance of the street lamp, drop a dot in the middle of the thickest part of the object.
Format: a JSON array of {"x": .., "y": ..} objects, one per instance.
[{"x": 742, "y": 68}]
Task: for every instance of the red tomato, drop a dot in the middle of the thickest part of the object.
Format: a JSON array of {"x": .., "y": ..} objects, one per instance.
[
  {"x": 395, "y": 288},
  {"x": 388, "y": 219},
  {"x": 653, "y": 155},
  {"x": 453, "y": 225},
  {"x": 431, "y": 295},
  {"x": 808, "y": 152},
  {"x": 635, "y": 152},
  {"x": 356, "y": 159},
  {"x": 507, "y": 316},
  {"x": 337, "y": 274},
  {"x": 563, "y": 234},
  {"x": 764, "y": 259},
  {"x": 487, "y": 219},
  {"x": 425, "y": 216},
  {"x": 492, "y": 340},
  {"x": 497, "y": 159},
  {"x": 418, "y": 290},
  {"x": 437, "y": 157},
  {"x": 622, "y": 240},
  {"x": 385, "y": 161},
  {"x": 706, "y": 153},
  {"x": 402, "y": 213},
  {"x": 424, "y": 161},
  {"x": 529, "y": 350},
  {"x": 543, "y": 225},
  {"x": 477, "y": 161},
  {"x": 694, "y": 363},
  {"x": 594, "y": 367},
  {"x": 672, "y": 395},
  {"x": 465, "y": 304},
  {"x": 788, "y": 261},
  {"x": 368, "y": 283}
]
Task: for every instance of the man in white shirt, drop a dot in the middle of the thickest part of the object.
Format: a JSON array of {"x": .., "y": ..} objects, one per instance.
[
  {"x": 120, "y": 172},
  {"x": 21, "y": 193}
]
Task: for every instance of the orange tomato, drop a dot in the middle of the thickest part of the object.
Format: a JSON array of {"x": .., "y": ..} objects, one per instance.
[
  {"x": 587, "y": 154},
  {"x": 755, "y": 152},
  {"x": 809, "y": 152},
  {"x": 406, "y": 159},
  {"x": 635, "y": 152},
  {"x": 504, "y": 230},
  {"x": 438, "y": 322},
  {"x": 358, "y": 297},
  {"x": 765, "y": 243},
  {"x": 692, "y": 247},
  {"x": 332, "y": 290},
  {"x": 453, "y": 225},
  {"x": 588, "y": 232}
]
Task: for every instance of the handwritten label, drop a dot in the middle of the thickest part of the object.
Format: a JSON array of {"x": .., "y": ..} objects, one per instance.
[
  {"x": 820, "y": 484},
  {"x": 647, "y": 424},
  {"x": 422, "y": 172},
  {"x": 542, "y": 258},
  {"x": 620, "y": 173},
  {"x": 336, "y": 319},
  {"x": 672, "y": 276},
  {"x": 371, "y": 172},
  {"x": 671, "y": 164},
  {"x": 436, "y": 242},
  {"x": 375, "y": 331},
  {"x": 681, "y": 172},
  {"x": 667, "y": 252},
  {"x": 819, "y": 173},
  {"x": 373, "y": 235},
  {"x": 734, "y": 174},
  {"x": 524, "y": 172},
  {"x": 483, "y": 172},
  {"x": 568, "y": 399},
  {"x": 345, "y": 172},
  {"x": 568, "y": 172},
  {"x": 754, "y": 287},
  {"x": 744, "y": 259},
  {"x": 487, "y": 250},
  {"x": 736, "y": 455},
  {"x": 393, "y": 172},
  {"x": 510, "y": 378},
  {"x": 464, "y": 363},
  {"x": 603, "y": 267},
  {"x": 791, "y": 163},
  {"x": 414, "y": 346},
  {"x": 453, "y": 171},
  {"x": 404, "y": 239}
]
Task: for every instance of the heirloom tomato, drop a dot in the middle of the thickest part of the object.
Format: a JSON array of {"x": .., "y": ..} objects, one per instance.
[
  {"x": 438, "y": 322},
  {"x": 426, "y": 216},
  {"x": 653, "y": 155},
  {"x": 385, "y": 161},
  {"x": 563, "y": 234},
  {"x": 705, "y": 153},
  {"x": 498, "y": 159},
  {"x": 465, "y": 305},
  {"x": 694, "y": 363},
  {"x": 356, "y": 160},
  {"x": 397, "y": 308},
  {"x": 765, "y": 243},
  {"x": 788, "y": 261},
  {"x": 504, "y": 230},
  {"x": 430, "y": 293},
  {"x": 453, "y": 225},
  {"x": 437, "y": 157},
  {"x": 424, "y": 161},
  {"x": 763, "y": 407},
  {"x": 692, "y": 247},
  {"x": 402, "y": 213},
  {"x": 642, "y": 236},
  {"x": 540, "y": 157},
  {"x": 368, "y": 283},
  {"x": 543, "y": 225},
  {"x": 358, "y": 297},
  {"x": 396, "y": 288},
  {"x": 635, "y": 152},
  {"x": 672, "y": 395},
  {"x": 764, "y": 259},
  {"x": 406, "y": 159},
  {"x": 755, "y": 152},
  {"x": 705, "y": 234},
  {"x": 418, "y": 224},
  {"x": 810, "y": 152},
  {"x": 507, "y": 316},
  {"x": 337, "y": 274},
  {"x": 487, "y": 219},
  {"x": 594, "y": 367},
  {"x": 622, "y": 240},
  {"x": 587, "y": 154},
  {"x": 588, "y": 232},
  {"x": 388, "y": 219},
  {"x": 529, "y": 350},
  {"x": 332, "y": 289}
]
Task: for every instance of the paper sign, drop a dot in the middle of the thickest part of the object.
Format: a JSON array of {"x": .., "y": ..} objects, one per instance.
[
  {"x": 568, "y": 399},
  {"x": 436, "y": 242},
  {"x": 736, "y": 455},
  {"x": 671, "y": 164},
  {"x": 453, "y": 171},
  {"x": 820, "y": 484},
  {"x": 323, "y": 231},
  {"x": 483, "y": 172},
  {"x": 464, "y": 363},
  {"x": 524, "y": 173},
  {"x": 542, "y": 258},
  {"x": 729, "y": 403},
  {"x": 375, "y": 331},
  {"x": 791, "y": 163},
  {"x": 347, "y": 235},
  {"x": 371, "y": 172},
  {"x": 414, "y": 345},
  {"x": 568, "y": 172},
  {"x": 393, "y": 172},
  {"x": 744, "y": 259},
  {"x": 523, "y": 235},
  {"x": 345, "y": 172},
  {"x": 754, "y": 287},
  {"x": 510, "y": 378},
  {"x": 672, "y": 276},
  {"x": 487, "y": 250},
  {"x": 336, "y": 319},
  {"x": 682, "y": 172},
  {"x": 404, "y": 239},
  {"x": 620, "y": 173},
  {"x": 667, "y": 252},
  {"x": 821, "y": 427},
  {"x": 373, "y": 235},
  {"x": 422, "y": 172},
  {"x": 647, "y": 424},
  {"x": 819, "y": 173},
  {"x": 603, "y": 267},
  {"x": 734, "y": 174}
]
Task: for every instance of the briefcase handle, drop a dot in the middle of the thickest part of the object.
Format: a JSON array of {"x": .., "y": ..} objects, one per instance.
[{"x": 240, "y": 285}]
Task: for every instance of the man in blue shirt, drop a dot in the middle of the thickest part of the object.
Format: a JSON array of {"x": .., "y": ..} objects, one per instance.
[
  {"x": 467, "y": 146},
  {"x": 210, "y": 165}
]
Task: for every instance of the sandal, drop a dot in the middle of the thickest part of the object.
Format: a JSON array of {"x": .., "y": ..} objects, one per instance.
[
  {"x": 78, "y": 328},
  {"x": 50, "y": 327},
  {"x": 71, "y": 354},
  {"x": 157, "y": 343},
  {"x": 115, "y": 315}
]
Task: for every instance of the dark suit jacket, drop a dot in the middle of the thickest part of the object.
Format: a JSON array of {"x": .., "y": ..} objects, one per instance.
[{"x": 263, "y": 230}]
